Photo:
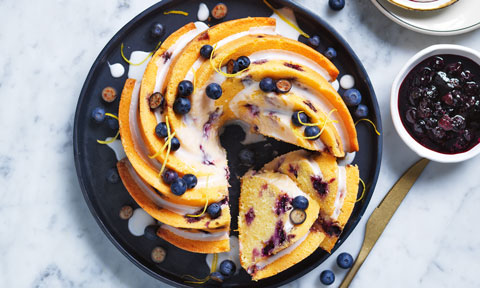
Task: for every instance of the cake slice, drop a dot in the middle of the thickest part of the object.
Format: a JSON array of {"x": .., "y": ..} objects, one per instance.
[
  {"x": 266, "y": 221},
  {"x": 334, "y": 187}
]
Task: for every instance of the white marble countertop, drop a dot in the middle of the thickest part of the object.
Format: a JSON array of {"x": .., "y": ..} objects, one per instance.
[{"x": 48, "y": 238}]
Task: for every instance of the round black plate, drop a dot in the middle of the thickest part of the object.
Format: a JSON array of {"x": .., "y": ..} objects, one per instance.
[{"x": 93, "y": 160}]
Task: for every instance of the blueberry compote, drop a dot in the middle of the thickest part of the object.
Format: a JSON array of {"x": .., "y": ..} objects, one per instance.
[{"x": 439, "y": 103}]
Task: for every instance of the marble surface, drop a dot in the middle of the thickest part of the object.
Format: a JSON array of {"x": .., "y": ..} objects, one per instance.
[{"x": 48, "y": 238}]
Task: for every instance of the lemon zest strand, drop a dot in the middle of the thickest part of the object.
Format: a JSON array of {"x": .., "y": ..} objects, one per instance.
[
  {"x": 169, "y": 141},
  {"x": 328, "y": 120},
  {"x": 363, "y": 192},
  {"x": 219, "y": 68},
  {"x": 286, "y": 20},
  {"x": 214, "y": 263},
  {"x": 143, "y": 61},
  {"x": 111, "y": 115},
  {"x": 198, "y": 281},
  {"x": 206, "y": 202},
  {"x": 313, "y": 124},
  {"x": 109, "y": 141},
  {"x": 369, "y": 121},
  {"x": 176, "y": 12},
  {"x": 161, "y": 149}
]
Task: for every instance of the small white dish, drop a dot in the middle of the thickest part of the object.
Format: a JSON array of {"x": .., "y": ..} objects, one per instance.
[
  {"x": 397, "y": 122},
  {"x": 423, "y": 5},
  {"x": 461, "y": 17}
]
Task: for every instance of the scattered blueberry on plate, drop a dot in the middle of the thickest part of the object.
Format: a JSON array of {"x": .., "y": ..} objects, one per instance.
[
  {"x": 151, "y": 232},
  {"x": 344, "y": 260},
  {"x": 361, "y": 111},
  {"x": 227, "y": 268},
  {"x": 336, "y": 5},
  {"x": 352, "y": 97},
  {"x": 112, "y": 123},
  {"x": 327, "y": 277},
  {"x": 98, "y": 114},
  {"x": 156, "y": 30},
  {"x": 112, "y": 176},
  {"x": 217, "y": 277},
  {"x": 330, "y": 53},
  {"x": 314, "y": 41}
]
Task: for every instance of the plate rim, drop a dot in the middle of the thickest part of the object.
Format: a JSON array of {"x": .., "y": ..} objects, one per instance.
[
  {"x": 83, "y": 94},
  {"x": 418, "y": 29}
]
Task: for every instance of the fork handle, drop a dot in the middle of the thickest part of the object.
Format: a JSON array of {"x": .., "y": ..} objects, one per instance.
[{"x": 364, "y": 251}]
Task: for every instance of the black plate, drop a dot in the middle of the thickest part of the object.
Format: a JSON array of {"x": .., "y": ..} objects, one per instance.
[{"x": 93, "y": 160}]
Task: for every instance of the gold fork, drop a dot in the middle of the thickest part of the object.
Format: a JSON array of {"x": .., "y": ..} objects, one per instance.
[{"x": 382, "y": 215}]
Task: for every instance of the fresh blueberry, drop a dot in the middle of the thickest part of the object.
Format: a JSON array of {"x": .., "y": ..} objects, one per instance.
[
  {"x": 214, "y": 210},
  {"x": 161, "y": 130},
  {"x": 303, "y": 117},
  {"x": 232, "y": 67},
  {"x": 300, "y": 202},
  {"x": 112, "y": 176},
  {"x": 156, "y": 30},
  {"x": 185, "y": 88},
  {"x": 98, "y": 114},
  {"x": 352, "y": 97},
  {"x": 178, "y": 187},
  {"x": 174, "y": 144},
  {"x": 182, "y": 106},
  {"x": 314, "y": 41},
  {"x": 243, "y": 62},
  {"x": 330, "y": 53},
  {"x": 311, "y": 131},
  {"x": 214, "y": 91},
  {"x": 361, "y": 111},
  {"x": 267, "y": 84},
  {"x": 217, "y": 277},
  {"x": 247, "y": 157},
  {"x": 344, "y": 260},
  {"x": 327, "y": 277},
  {"x": 169, "y": 176},
  {"x": 206, "y": 51},
  {"x": 227, "y": 268},
  {"x": 150, "y": 232},
  {"x": 336, "y": 5},
  {"x": 283, "y": 86},
  {"x": 191, "y": 180},
  {"x": 112, "y": 123}
]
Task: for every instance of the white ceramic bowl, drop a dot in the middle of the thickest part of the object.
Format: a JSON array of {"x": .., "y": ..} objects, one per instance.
[{"x": 397, "y": 122}]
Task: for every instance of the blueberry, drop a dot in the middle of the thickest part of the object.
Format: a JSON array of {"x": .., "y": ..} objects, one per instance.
[
  {"x": 352, "y": 97},
  {"x": 247, "y": 157},
  {"x": 298, "y": 216},
  {"x": 98, "y": 114},
  {"x": 178, "y": 187},
  {"x": 283, "y": 86},
  {"x": 174, "y": 144},
  {"x": 206, "y": 51},
  {"x": 303, "y": 117},
  {"x": 217, "y": 277},
  {"x": 361, "y": 111},
  {"x": 243, "y": 62},
  {"x": 185, "y": 88},
  {"x": 314, "y": 41},
  {"x": 300, "y": 202},
  {"x": 267, "y": 84},
  {"x": 311, "y": 131},
  {"x": 214, "y": 210},
  {"x": 214, "y": 91},
  {"x": 330, "y": 53},
  {"x": 169, "y": 176},
  {"x": 191, "y": 180},
  {"x": 227, "y": 268},
  {"x": 161, "y": 130},
  {"x": 112, "y": 176},
  {"x": 327, "y": 277},
  {"x": 112, "y": 123},
  {"x": 151, "y": 232},
  {"x": 182, "y": 106},
  {"x": 336, "y": 5},
  {"x": 344, "y": 260},
  {"x": 156, "y": 30},
  {"x": 232, "y": 67}
]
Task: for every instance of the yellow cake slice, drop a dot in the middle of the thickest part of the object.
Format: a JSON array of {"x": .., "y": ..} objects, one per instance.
[
  {"x": 264, "y": 220},
  {"x": 334, "y": 187}
]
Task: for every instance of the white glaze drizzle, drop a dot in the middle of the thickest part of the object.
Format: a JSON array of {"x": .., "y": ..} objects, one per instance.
[
  {"x": 139, "y": 220},
  {"x": 348, "y": 159},
  {"x": 335, "y": 84},
  {"x": 347, "y": 81},
  {"x": 282, "y": 27},
  {"x": 117, "y": 147},
  {"x": 117, "y": 70},
  {"x": 200, "y": 236},
  {"x": 203, "y": 12},
  {"x": 341, "y": 192},
  {"x": 136, "y": 71}
]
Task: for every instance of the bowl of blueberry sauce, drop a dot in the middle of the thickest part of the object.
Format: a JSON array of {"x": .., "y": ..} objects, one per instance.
[{"x": 435, "y": 103}]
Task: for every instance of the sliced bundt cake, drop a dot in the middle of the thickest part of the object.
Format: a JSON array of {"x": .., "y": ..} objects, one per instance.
[
  {"x": 334, "y": 187},
  {"x": 273, "y": 215}
]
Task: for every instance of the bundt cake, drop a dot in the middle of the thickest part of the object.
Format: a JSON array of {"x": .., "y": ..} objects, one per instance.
[{"x": 177, "y": 171}]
